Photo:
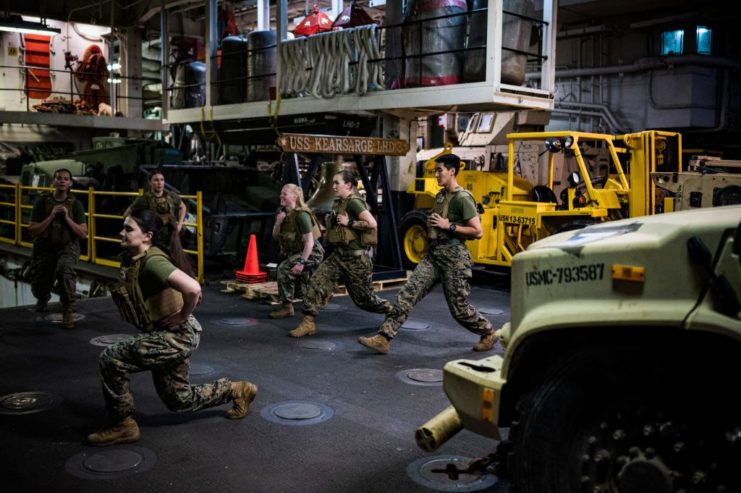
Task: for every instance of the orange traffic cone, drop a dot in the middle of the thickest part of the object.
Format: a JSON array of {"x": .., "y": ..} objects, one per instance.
[{"x": 251, "y": 272}]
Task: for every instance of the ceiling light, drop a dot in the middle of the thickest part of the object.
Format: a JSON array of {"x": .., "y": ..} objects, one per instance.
[{"x": 16, "y": 24}]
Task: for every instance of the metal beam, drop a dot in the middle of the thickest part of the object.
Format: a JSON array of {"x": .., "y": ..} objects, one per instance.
[{"x": 263, "y": 15}]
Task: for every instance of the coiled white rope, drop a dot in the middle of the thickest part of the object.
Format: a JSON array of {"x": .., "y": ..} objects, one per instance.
[
  {"x": 371, "y": 75},
  {"x": 320, "y": 65},
  {"x": 296, "y": 65}
]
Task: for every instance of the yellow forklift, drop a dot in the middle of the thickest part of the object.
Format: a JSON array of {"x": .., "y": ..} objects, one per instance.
[{"x": 553, "y": 182}]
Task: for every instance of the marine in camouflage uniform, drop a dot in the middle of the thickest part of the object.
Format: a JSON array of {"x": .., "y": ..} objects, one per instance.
[
  {"x": 351, "y": 232},
  {"x": 158, "y": 299},
  {"x": 57, "y": 224},
  {"x": 166, "y": 354},
  {"x": 166, "y": 204},
  {"x": 297, "y": 230},
  {"x": 448, "y": 261}
]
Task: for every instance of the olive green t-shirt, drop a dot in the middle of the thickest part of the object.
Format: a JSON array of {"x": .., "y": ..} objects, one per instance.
[
  {"x": 355, "y": 207},
  {"x": 462, "y": 208},
  {"x": 153, "y": 279},
  {"x": 38, "y": 213},
  {"x": 303, "y": 222}
]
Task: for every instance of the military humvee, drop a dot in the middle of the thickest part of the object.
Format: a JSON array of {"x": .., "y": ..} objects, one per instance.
[{"x": 621, "y": 361}]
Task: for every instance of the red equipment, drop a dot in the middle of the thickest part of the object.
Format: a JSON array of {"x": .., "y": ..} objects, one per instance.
[{"x": 314, "y": 23}]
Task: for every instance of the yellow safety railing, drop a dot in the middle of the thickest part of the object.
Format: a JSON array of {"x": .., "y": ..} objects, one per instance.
[
  {"x": 16, "y": 200},
  {"x": 10, "y": 231}
]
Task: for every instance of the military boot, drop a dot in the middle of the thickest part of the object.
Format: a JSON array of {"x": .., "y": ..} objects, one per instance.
[
  {"x": 487, "y": 341},
  {"x": 379, "y": 342},
  {"x": 41, "y": 305},
  {"x": 68, "y": 319},
  {"x": 285, "y": 310},
  {"x": 127, "y": 431},
  {"x": 242, "y": 394},
  {"x": 307, "y": 327}
]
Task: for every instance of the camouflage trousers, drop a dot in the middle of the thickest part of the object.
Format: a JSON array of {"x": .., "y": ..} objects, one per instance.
[
  {"x": 51, "y": 263},
  {"x": 356, "y": 272},
  {"x": 450, "y": 265},
  {"x": 288, "y": 282},
  {"x": 166, "y": 354}
]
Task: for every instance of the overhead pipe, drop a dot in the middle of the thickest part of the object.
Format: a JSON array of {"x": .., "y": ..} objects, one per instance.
[
  {"x": 663, "y": 20},
  {"x": 605, "y": 28},
  {"x": 600, "y": 110},
  {"x": 583, "y": 31},
  {"x": 100, "y": 3},
  {"x": 89, "y": 6},
  {"x": 156, "y": 10},
  {"x": 643, "y": 65},
  {"x": 594, "y": 114}
]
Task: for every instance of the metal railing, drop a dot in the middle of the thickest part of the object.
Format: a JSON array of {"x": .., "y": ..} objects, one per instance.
[
  {"x": 421, "y": 52},
  {"x": 16, "y": 201}
]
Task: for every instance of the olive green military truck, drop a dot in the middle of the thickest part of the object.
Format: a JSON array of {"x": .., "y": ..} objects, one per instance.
[{"x": 622, "y": 361}]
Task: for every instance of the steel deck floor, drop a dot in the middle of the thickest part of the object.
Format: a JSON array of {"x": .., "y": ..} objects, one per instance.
[{"x": 366, "y": 446}]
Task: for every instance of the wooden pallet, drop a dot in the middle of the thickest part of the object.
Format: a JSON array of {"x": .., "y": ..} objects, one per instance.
[
  {"x": 269, "y": 290},
  {"x": 389, "y": 283},
  {"x": 255, "y": 291},
  {"x": 377, "y": 285}
]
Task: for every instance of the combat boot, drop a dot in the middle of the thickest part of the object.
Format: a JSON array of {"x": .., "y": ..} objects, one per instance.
[
  {"x": 242, "y": 394},
  {"x": 41, "y": 305},
  {"x": 307, "y": 327},
  {"x": 127, "y": 431},
  {"x": 68, "y": 319},
  {"x": 486, "y": 342},
  {"x": 285, "y": 310},
  {"x": 379, "y": 342}
]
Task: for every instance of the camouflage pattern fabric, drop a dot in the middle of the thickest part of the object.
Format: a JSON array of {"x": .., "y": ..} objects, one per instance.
[
  {"x": 355, "y": 272},
  {"x": 166, "y": 207},
  {"x": 166, "y": 354},
  {"x": 50, "y": 263},
  {"x": 287, "y": 282},
  {"x": 450, "y": 265}
]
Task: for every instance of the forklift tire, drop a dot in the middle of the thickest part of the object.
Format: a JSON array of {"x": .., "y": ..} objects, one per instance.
[{"x": 413, "y": 237}]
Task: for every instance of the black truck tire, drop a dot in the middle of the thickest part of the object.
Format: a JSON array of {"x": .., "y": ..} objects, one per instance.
[{"x": 625, "y": 421}]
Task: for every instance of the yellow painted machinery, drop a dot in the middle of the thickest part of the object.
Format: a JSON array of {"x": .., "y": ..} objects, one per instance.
[{"x": 553, "y": 181}]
